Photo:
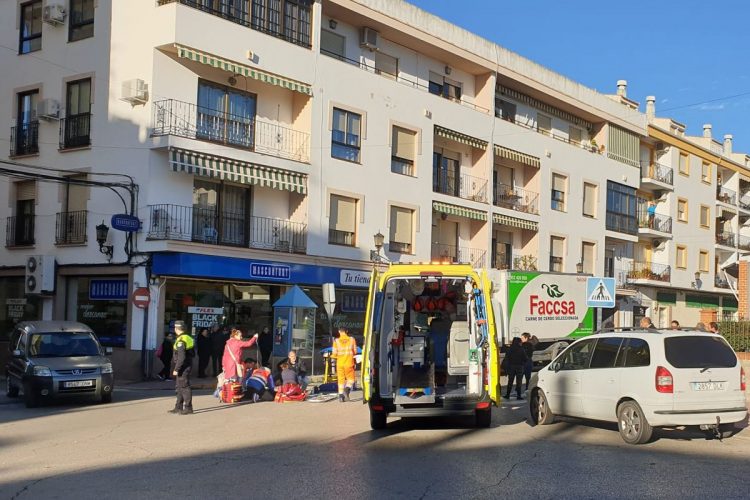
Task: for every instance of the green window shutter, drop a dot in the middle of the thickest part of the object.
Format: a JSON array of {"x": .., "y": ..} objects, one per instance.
[
  {"x": 666, "y": 298},
  {"x": 729, "y": 304},
  {"x": 702, "y": 301}
]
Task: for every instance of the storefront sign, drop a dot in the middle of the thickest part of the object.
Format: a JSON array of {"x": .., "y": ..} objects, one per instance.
[
  {"x": 348, "y": 277},
  {"x": 274, "y": 271},
  {"x": 204, "y": 317},
  {"x": 108, "y": 289},
  {"x": 125, "y": 222},
  {"x": 355, "y": 303},
  {"x": 16, "y": 308}
]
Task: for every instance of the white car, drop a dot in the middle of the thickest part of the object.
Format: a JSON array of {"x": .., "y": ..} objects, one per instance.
[{"x": 643, "y": 379}]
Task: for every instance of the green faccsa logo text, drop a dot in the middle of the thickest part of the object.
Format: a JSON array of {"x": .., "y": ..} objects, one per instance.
[{"x": 552, "y": 291}]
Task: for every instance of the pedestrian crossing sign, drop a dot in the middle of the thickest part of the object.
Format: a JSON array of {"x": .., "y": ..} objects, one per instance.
[{"x": 600, "y": 292}]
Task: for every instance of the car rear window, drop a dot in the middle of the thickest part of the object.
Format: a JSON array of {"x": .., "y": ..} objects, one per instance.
[{"x": 699, "y": 352}]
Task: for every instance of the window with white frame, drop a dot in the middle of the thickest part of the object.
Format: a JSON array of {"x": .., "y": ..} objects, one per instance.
[
  {"x": 386, "y": 65},
  {"x": 342, "y": 225},
  {"x": 556, "y": 253},
  {"x": 445, "y": 87},
  {"x": 559, "y": 188},
  {"x": 588, "y": 257},
  {"x": 589, "y": 199},
  {"x": 346, "y": 133},
  {"x": 402, "y": 230},
  {"x": 403, "y": 148},
  {"x": 703, "y": 261}
]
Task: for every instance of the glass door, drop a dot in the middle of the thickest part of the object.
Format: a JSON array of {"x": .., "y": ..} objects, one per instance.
[{"x": 211, "y": 110}]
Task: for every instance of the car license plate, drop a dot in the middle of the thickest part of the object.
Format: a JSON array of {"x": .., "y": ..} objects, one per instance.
[
  {"x": 707, "y": 386},
  {"x": 79, "y": 383}
]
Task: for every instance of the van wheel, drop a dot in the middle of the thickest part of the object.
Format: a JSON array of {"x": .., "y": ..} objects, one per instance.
[
  {"x": 378, "y": 420},
  {"x": 483, "y": 418},
  {"x": 29, "y": 398},
  {"x": 634, "y": 428},
  {"x": 10, "y": 390},
  {"x": 539, "y": 409}
]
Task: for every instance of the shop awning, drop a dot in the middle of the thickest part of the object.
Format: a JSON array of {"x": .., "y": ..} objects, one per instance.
[
  {"x": 469, "y": 213},
  {"x": 207, "y": 165},
  {"x": 241, "y": 69},
  {"x": 459, "y": 137},
  {"x": 507, "y": 220},
  {"x": 514, "y": 155}
]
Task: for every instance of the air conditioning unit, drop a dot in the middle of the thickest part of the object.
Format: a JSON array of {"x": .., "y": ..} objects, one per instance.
[
  {"x": 368, "y": 38},
  {"x": 135, "y": 91},
  {"x": 40, "y": 274},
  {"x": 658, "y": 244},
  {"x": 54, "y": 13},
  {"x": 660, "y": 146},
  {"x": 48, "y": 109}
]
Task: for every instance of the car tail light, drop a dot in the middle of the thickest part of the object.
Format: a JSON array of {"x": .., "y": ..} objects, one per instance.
[
  {"x": 483, "y": 405},
  {"x": 743, "y": 383},
  {"x": 378, "y": 408},
  {"x": 664, "y": 381}
]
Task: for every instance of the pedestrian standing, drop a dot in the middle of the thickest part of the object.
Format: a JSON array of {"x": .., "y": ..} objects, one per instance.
[
  {"x": 344, "y": 350},
  {"x": 675, "y": 325},
  {"x": 265, "y": 344},
  {"x": 651, "y": 210},
  {"x": 203, "y": 345},
  {"x": 646, "y": 323},
  {"x": 217, "y": 348},
  {"x": 713, "y": 327},
  {"x": 230, "y": 362},
  {"x": 182, "y": 365},
  {"x": 516, "y": 357},
  {"x": 528, "y": 348},
  {"x": 164, "y": 353}
]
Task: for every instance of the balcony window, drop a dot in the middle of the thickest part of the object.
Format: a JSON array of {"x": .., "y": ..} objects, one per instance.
[
  {"x": 25, "y": 135},
  {"x": 505, "y": 110},
  {"x": 544, "y": 124},
  {"x": 444, "y": 87},
  {"x": 287, "y": 19},
  {"x": 589, "y": 199},
  {"x": 220, "y": 213},
  {"x": 556, "y": 251},
  {"x": 621, "y": 208},
  {"x": 342, "y": 228},
  {"x": 332, "y": 44},
  {"x": 31, "y": 27},
  {"x": 225, "y": 115},
  {"x": 386, "y": 65},
  {"x": 75, "y": 129},
  {"x": 81, "y": 24},
  {"x": 575, "y": 135},
  {"x": 502, "y": 257},
  {"x": 401, "y": 230},
  {"x": 20, "y": 227},
  {"x": 345, "y": 135},
  {"x": 403, "y": 146},
  {"x": 446, "y": 173},
  {"x": 559, "y": 184}
]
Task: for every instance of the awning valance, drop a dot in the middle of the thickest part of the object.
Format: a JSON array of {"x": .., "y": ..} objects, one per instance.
[
  {"x": 207, "y": 165},
  {"x": 459, "y": 137},
  {"x": 507, "y": 220},
  {"x": 514, "y": 155},
  {"x": 543, "y": 106},
  {"x": 447, "y": 208},
  {"x": 241, "y": 69}
]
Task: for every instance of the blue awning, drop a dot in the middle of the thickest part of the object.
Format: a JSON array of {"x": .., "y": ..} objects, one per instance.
[{"x": 295, "y": 298}]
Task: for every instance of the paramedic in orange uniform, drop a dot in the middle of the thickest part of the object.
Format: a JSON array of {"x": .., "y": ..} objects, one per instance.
[{"x": 344, "y": 350}]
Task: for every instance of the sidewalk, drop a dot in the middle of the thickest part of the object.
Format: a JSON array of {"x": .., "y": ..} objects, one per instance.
[{"x": 208, "y": 383}]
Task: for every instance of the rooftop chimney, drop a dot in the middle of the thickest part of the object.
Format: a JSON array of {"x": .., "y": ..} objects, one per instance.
[
  {"x": 650, "y": 107},
  {"x": 707, "y": 130},
  {"x": 728, "y": 144},
  {"x": 622, "y": 88}
]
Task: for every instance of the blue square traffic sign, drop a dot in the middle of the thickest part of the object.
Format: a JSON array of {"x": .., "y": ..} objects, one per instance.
[{"x": 600, "y": 292}]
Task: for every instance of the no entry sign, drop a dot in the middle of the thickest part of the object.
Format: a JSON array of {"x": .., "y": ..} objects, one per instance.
[{"x": 141, "y": 297}]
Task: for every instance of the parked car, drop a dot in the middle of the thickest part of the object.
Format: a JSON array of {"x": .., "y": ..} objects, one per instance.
[
  {"x": 57, "y": 359},
  {"x": 643, "y": 379}
]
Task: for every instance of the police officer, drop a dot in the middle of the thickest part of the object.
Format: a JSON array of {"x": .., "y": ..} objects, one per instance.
[{"x": 182, "y": 361}]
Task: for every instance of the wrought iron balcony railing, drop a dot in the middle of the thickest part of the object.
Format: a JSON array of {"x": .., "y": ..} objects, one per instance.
[
  {"x": 70, "y": 228},
  {"x": 516, "y": 198},
  {"x": 24, "y": 139}
]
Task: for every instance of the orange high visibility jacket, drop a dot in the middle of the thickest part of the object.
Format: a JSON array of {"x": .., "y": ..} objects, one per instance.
[{"x": 344, "y": 350}]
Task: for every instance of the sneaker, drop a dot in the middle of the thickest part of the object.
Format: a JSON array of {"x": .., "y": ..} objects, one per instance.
[
  {"x": 256, "y": 398},
  {"x": 347, "y": 392},
  {"x": 174, "y": 411},
  {"x": 341, "y": 398},
  {"x": 187, "y": 411}
]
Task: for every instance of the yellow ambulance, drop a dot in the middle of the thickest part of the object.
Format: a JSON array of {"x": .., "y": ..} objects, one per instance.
[{"x": 430, "y": 344}]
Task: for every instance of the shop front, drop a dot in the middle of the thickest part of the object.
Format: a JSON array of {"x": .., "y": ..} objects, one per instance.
[
  {"x": 203, "y": 289},
  {"x": 15, "y": 305},
  {"x": 101, "y": 302}
]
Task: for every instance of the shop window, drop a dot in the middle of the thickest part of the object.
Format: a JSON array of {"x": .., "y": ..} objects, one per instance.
[
  {"x": 402, "y": 230},
  {"x": 102, "y": 304},
  {"x": 345, "y": 135},
  {"x": 16, "y": 306},
  {"x": 81, "y": 20},
  {"x": 31, "y": 27},
  {"x": 403, "y": 147},
  {"x": 342, "y": 223},
  {"x": 201, "y": 303}
]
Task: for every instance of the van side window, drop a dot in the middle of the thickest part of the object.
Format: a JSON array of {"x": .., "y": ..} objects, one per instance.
[
  {"x": 634, "y": 353},
  {"x": 18, "y": 334},
  {"x": 577, "y": 356},
  {"x": 605, "y": 352}
]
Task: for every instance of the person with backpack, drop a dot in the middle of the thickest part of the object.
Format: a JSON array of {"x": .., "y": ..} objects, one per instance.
[{"x": 182, "y": 365}]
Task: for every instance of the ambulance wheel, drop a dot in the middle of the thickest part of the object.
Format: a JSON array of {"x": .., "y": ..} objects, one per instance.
[
  {"x": 483, "y": 418},
  {"x": 378, "y": 420}
]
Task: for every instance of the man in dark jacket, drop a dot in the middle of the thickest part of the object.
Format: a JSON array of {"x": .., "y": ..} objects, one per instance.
[
  {"x": 203, "y": 344},
  {"x": 528, "y": 348},
  {"x": 515, "y": 359},
  {"x": 182, "y": 365},
  {"x": 217, "y": 348},
  {"x": 265, "y": 344}
]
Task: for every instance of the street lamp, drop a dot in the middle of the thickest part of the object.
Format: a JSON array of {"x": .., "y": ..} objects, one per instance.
[
  {"x": 375, "y": 256},
  {"x": 697, "y": 283},
  {"x": 379, "y": 238},
  {"x": 579, "y": 268},
  {"x": 102, "y": 230}
]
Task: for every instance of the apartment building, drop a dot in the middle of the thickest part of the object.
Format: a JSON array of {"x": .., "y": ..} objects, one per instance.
[{"x": 270, "y": 141}]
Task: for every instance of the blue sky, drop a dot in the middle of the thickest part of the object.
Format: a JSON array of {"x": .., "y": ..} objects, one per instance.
[{"x": 685, "y": 52}]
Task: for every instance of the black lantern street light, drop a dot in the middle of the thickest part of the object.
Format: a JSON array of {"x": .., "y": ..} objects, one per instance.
[
  {"x": 102, "y": 230},
  {"x": 375, "y": 255},
  {"x": 579, "y": 268}
]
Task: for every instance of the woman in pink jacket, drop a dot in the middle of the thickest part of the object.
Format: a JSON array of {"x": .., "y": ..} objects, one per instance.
[{"x": 231, "y": 362}]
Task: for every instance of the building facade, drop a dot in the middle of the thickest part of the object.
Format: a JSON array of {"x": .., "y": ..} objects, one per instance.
[{"x": 269, "y": 141}]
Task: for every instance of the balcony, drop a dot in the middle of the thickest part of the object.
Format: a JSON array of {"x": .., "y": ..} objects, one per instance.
[
  {"x": 24, "y": 139},
  {"x": 70, "y": 228},
  {"x": 345, "y": 238},
  {"x": 290, "y": 22},
  {"x": 208, "y": 225},
  {"x": 517, "y": 199},
  {"x": 656, "y": 176},
  {"x": 19, "y": 231},
  {"x": 525, "y": 263},
  {"x": 726, "y": 239},
  {"x": 621, "y": 223},
  {"x": 720, "y": 282},
  {"x": 726, "y": 195},
  {"x": 451, "y": 253},
  {"x": 649, "y": 272},
  {"x": 464, "y": 186},
  {"x": 182, "y": 119},
  {"x": 75, "y": 131},
  {"x": 743, "y": 243},
  {"x": 656, "y": 225}
]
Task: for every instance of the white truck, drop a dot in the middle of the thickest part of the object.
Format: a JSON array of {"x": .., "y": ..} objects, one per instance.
[{"x": 551, "y": 306}]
